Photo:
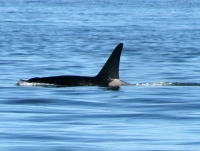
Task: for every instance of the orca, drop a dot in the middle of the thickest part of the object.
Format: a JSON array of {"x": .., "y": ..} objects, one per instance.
[{"x": 107, "y": 77}]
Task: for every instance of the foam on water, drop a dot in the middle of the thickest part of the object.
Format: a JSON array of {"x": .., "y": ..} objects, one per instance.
[
  {"x": 154, "y": 84},
  {"x": 167, "y": 84},
  {"x": 26, "y": 83}
]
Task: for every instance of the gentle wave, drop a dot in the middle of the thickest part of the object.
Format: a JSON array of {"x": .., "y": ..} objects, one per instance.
[{"x": 26, "y": 83}]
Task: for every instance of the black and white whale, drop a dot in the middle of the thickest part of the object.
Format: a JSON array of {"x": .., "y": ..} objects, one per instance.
[{"x": 107, "y": 77}]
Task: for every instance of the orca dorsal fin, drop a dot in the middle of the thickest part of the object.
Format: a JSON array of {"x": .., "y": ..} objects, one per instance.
[{"x": 111, "y": 68}]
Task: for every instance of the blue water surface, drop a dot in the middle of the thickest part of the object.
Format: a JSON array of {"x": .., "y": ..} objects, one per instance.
[{"x": 75, "y": 37}]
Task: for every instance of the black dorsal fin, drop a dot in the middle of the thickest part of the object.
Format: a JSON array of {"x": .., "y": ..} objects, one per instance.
[{"x": 111, "y": 68}]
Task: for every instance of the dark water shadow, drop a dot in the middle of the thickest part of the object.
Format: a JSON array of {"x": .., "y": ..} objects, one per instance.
[{"x": 28, "y": 101}]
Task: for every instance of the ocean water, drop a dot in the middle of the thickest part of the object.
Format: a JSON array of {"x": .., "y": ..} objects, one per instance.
[{"x": 75, "y": 37}]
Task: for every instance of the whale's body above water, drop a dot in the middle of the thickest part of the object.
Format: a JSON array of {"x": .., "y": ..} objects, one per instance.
[{"x": 108, "y": 76}]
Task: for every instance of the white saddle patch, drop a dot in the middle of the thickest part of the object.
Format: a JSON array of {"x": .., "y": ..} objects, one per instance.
[{"x": 116, "y": 83}]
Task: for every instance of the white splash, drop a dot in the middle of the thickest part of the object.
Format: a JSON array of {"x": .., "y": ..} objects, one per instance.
[
  {"x": 26, "y": 83},
  {"x": 154, "y": 84}
]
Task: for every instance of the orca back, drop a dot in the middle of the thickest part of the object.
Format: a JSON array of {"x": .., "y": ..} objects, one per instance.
[{"x": 108, "y": 76}]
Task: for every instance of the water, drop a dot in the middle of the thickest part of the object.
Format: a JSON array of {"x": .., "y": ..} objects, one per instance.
[{"x": 47, "y": 38}]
